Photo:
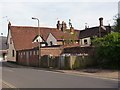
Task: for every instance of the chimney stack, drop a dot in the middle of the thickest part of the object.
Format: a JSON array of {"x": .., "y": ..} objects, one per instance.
[
  {"x": 71, "y": 30},
  {"x": 86, "y": 26},
  {"x": 101, "y": 21},
  {"x": 63, "y": 27},
  {"x": 58, "y": 25},
  {"x": 101, "y": 24},
  {"x": 9, "y": 24}
]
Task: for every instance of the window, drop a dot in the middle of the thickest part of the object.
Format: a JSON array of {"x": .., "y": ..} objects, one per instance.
[
  {"x": 37, "y": 52},
  {"x": 21, "y": 54},
  {"x": 30, "y": 53},
  {"x": 13, "y": 53},
  {"x": 51, "y": 43},
  {"x": 24, "y": 53},
  {"x": 37, "y": 40},
  {"x": 85, "y": 41},
  {"x": 34, "y": 52}
]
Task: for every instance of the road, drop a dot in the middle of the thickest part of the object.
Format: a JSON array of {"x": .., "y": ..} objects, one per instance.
[{"x": 23, "y": 77}]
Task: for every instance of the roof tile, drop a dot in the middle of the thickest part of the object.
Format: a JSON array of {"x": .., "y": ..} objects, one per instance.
[{"x": 23, "y": 35}]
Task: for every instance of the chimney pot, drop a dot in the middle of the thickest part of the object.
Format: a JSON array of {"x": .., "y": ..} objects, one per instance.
[
  {"x": 101, "y": 21},
  {"x": 63, "y": 28}
]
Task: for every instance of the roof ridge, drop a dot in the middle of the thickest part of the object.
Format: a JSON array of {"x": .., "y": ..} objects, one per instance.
[
  {"x": 97, "y": 27},
  {"x": 33, "y": 27}
]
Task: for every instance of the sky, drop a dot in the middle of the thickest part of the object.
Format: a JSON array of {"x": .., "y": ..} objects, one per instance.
[{"x": 20, "y": 12}]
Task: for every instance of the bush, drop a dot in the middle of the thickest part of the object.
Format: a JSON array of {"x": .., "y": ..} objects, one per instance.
[{"x": 108, "y": 50}]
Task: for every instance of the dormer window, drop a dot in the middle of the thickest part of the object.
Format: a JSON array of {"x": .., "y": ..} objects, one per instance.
[
  {"x": 13, "y": 53},
  {"x": 10, "y": 40},
  {"x": 85, "y": 41}
]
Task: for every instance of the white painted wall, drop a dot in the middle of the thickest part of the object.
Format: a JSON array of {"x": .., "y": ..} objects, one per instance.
[
  {"x": 51, "y": 38},
  {"x": 88, "y": 41},
  {"x": 39, "y": 39},
  {"x": 11, "y": 47}
]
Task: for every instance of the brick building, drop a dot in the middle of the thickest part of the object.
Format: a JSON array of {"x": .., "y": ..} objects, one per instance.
[
  {"x": 24, "y": 41},
  {"x": 25, "y": 38},
  {"x": 87, "y": 34}
]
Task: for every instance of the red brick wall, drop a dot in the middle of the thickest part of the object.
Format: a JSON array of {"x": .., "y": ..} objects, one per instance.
[
  {"x": 53, "y": 51},
  {"x": 27, "y": 57},
  {"x": 32, "y": 58}
]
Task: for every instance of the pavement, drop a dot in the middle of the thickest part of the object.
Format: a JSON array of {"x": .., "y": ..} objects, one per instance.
[{"x": 104, "y": 74}]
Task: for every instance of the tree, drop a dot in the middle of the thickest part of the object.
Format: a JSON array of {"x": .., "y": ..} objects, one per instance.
[
  {"x": 117, "y": 24},
  {"x": 108, "y": 50}
]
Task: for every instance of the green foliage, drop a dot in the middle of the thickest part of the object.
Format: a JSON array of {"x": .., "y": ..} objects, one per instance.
[
  {"x": 108, "y": 50},
  {"x": 109, "y": 40}
]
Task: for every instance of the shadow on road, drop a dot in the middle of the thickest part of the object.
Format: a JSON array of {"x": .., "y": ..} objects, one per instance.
[{"x": 15, "y": 65}]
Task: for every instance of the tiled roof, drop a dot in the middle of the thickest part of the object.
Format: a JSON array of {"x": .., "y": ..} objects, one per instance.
[
  {"x": 94, "y": 31},
  {"x": 23, "y": 35}
]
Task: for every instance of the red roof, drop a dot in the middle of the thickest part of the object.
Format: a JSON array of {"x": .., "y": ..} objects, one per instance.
[{"x": 23, "y": 36}]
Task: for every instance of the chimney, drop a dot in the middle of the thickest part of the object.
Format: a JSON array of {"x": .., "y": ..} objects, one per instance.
[
  {"x": 101, "y": 21},
  {"x": 71, "y": 30},
  {"x": 86, "y": 26},
  {"x": 101, "y": 24},
  {"x": 9, "y": 24},
  {"x": 58, "y": 25},
  {"x": 63, "y": 28}
]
